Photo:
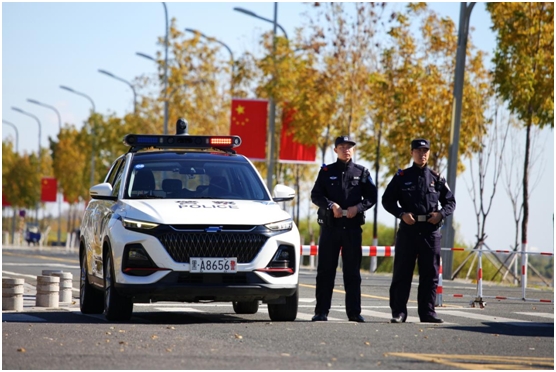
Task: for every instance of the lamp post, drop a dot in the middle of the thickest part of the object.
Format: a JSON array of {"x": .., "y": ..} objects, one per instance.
[
  {"x": 124, "y": 81},
  {"x": 16, "y": 134},
  {"x": 272, "y": 114},
  {"x": 464, "y": 15},
  {"x": 59, "y": 130},
  {"x": 17, "y": 151},
  {"x": 166, "y": 72},
  {"x": 92, "y": 131},
  {"x": 39, "y": 149},
  {"x": 210, "y": 38}
]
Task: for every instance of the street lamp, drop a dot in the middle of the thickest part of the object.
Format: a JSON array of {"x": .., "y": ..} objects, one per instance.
[
  {"x": 166, "y": 72},
  {"x": 464, "y": 15},
  {"x": 39, "y": 149},
  {"x": 17, "y": 151},
  {"x": 252, "y": 14},
  {"x": 92, "y": 131},
  {"x": 59, "y": 130},
  {"x": 272, "y": 114},
  {"x": 124, "y": 81},
  {"x": 16, "y": 134}
]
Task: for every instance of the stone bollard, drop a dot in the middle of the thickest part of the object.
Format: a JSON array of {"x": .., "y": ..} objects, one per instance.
[
  {"x": 50, "y": 272},
  {"x": 66, "y": 286},
  {"x": 12, "y": 294},
  {"x": 48, "y": 288}
]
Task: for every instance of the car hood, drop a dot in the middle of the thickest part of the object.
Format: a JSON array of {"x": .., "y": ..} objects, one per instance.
[{"x": 203, "y": 211}]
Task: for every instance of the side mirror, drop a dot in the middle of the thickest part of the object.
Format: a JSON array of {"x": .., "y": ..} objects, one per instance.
[
  {"x": 102, "y": 191},
  {"x": 283, "y": 193}
]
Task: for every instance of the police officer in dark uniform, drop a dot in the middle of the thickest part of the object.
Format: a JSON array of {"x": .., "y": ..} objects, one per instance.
[
  {"x": 343, "y": 191},
  {"x": 418, "y": 190}
]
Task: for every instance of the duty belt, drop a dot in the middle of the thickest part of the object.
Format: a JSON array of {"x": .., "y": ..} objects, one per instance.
[{"x": 421, "y": 217}]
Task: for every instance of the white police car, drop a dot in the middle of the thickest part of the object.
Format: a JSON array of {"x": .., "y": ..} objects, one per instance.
[{"x": 184, "y": 218}]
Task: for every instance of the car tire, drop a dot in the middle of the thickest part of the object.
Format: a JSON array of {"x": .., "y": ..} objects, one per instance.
[
  {"x": 116, "y": 307},
  {"x": 247, "y": 307},
  {"x": 284, "y": 312},
  {"x": 90, "y": 299}
]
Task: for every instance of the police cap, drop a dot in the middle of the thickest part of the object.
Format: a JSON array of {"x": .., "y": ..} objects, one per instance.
[
  {"x": 343, "y": 139},
  {"x": 420, "y": 143}
]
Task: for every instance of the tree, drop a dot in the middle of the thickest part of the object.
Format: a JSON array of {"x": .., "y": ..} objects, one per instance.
[
  {"x": 524, "y": 72},
  {"x": 413, "y": 91}
]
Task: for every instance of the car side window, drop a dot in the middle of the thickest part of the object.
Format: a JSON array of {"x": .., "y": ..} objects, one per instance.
[
  {"x": 113, "y": 171},
  {"x": 118, "y": 178}
]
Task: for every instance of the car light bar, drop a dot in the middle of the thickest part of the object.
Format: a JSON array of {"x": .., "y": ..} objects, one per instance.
[{"x": 181, "y": 141}]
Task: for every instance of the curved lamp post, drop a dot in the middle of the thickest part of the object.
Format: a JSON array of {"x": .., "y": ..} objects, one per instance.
[
  {"x": 59, "y": 130},
  {"x": 124, "y": 81},
  {"x": 16, "y": 134},
  {"x": 166, "y": 72},
  {"x": 39, "y": 149},
  {"x": 92, "y": 131},
  {"x": 16, "y": 150},
  {"x": 272, "y": 116}
]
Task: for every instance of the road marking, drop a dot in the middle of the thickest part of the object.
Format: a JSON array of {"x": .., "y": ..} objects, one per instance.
[
  {"x": 494, "y": 319},
  {"x": 179, "y": 309},
  {"x": 43, "y": 257},
  {"x": 481, "y": 362},
  {"x": 18, "y": 274},
  {"x": 41, "y": 265},
  {"x": 542, "y": 315}
]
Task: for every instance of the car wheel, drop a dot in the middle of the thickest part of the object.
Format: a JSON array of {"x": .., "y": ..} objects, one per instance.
[
  {"x": 284, "y": 312},
  {"x": 116, "y": 307},
  {"x": 248, "y": 307},
  {"x": 90, "y": 299}
]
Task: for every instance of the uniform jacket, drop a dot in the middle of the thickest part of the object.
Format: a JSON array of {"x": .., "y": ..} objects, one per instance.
[
  {"x": 347, "y": 185},
  {"x": 418, "y": 191}
]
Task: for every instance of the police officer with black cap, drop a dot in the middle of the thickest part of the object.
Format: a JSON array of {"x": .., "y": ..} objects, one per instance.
[
  {"x": 418, "y": 190},
  {"x": 343, "y": 191}
]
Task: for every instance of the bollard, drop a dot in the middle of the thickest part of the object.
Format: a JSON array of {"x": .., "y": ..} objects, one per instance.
[
  {"x": 12, "y": 294},
  {"x": 439, "y": 286},
  {"x": 48, "y": 288},
  {"x": 50, "y": 272},
  {"x": 65, "y": 286}
]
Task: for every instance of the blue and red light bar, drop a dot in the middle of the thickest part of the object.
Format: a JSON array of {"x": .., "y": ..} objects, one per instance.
[{"x": 182, "y": 141}]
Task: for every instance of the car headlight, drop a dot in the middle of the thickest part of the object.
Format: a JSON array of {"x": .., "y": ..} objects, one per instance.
[
  {"x": 280, "y": 225},
  {"x": 139, "y": 225}
]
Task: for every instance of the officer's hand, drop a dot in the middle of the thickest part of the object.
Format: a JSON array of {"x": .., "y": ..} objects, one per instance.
[
  {"x": 408, "y": 218},
  {"x": 352, "y": 211},
  {"x": 337, "y": 210},
  {"x": 435, "y": 218}
]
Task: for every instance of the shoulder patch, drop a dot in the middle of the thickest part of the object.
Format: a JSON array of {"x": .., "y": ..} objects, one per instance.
[
  {"x": 399, "y": 172},
  {"x": 324, "y": 167}
]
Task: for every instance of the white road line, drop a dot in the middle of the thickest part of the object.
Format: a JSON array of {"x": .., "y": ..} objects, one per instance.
[
  {"x": 488, "y": 318},
  {"x": 18, "y": 274},
  {"x": 542, "y": 315},
  {"x": 179, "y": 309}
]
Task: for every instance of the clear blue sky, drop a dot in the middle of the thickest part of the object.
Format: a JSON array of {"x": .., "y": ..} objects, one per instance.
[{"x": 45, "y": 45}]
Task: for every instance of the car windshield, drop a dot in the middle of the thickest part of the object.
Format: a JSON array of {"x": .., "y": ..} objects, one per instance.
[{"x": 182, "y": 177}]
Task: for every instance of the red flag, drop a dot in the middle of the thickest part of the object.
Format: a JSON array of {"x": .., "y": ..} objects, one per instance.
[
  {"x": 5, "y": 202},
  {"x": 49, "y": 187},
  {"x": 290, "y": 150},
  {"x": 249, "y": 118}
]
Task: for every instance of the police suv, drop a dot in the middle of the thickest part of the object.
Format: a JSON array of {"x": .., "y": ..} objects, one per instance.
[{"x": 184, "y": 218}]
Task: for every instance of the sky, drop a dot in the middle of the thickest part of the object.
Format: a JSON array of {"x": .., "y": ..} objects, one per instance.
[{"x": 45, "y": 45}]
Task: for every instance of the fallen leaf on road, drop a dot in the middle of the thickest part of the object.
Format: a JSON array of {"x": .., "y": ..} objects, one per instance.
[
  {"x": 21, "y": 350},
  {"x": 154, "y": 337},
  {"x": 285, "y": 354},
  {"x": 108, "y": 333},
  {"x": 123, "y": 343},
  {"x": 121, "y": 331},
  {"x": 367, "y": 343},
  {"x": 170, "y": 327},
  {"x": 238, "y": 336}
]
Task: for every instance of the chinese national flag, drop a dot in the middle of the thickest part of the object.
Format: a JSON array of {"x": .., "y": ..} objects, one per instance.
[
  {"x": 49, "y": 187},
  {"x": 290, "y": 150},
  {"x": 249, "y": 118}
]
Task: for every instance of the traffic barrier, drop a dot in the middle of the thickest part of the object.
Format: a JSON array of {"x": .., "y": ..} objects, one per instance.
[
  {"x": 12, "y": 294},
  {"x": 65, "y": 286},
  {"x": 389, "y": 251},
  {"x": 48, "y": 291}
]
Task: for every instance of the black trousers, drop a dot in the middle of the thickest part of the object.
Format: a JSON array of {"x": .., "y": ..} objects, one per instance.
[
  {"x": 412, "y": 245},
  {"x": 331, "y": 239}
]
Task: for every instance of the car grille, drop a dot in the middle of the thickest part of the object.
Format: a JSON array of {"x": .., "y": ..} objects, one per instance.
[{"x": 183, "y": 245}]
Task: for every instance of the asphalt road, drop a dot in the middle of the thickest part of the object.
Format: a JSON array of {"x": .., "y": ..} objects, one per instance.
[{"x": 506, "y": 334}]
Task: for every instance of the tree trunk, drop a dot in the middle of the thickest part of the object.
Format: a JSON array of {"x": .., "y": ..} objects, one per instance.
[{"x": 525, "y": 219}]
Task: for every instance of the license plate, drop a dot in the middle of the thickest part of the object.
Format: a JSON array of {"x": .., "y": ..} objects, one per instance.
[{"x": 213, "y": 265}]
